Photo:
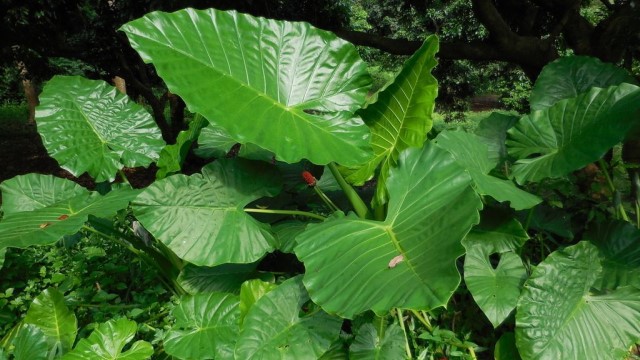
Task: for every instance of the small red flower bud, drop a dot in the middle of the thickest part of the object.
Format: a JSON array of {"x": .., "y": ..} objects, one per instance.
[{"x": 309, "y": 178}]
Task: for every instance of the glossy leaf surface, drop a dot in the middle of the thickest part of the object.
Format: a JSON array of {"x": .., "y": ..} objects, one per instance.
[
  {"x": 35, "y": 191},
  {"x": 201, "y": 217},
  {"x": 573, "y": 132},
  {"x": 432, "y": 207},
  {"x": 572, "y": 75},
  {"x": 619, "y": 244},
  {"x": 250, "y": 292},
  {"x": 30, "y": 344},
  {"x": 206, "y": 327},
  {"x": 88, "y": 126},
  {"x": 221, "y": 278},
  {"x": 107, "y": 342},
  {"x": 401, "y": 116},
  {"x": 369, "y": 345},
  {"x": 559, "y": 316},
  {"x": 48, "y": 224},
  {"x": 472, "y": 155},
  {"x": 278, "y": 327},
  {"x": 284, "y": 86},
  {"x": 49, "y": 313}
]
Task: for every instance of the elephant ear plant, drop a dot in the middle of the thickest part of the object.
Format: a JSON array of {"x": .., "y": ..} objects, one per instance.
[{"x": 379, "y": 261}]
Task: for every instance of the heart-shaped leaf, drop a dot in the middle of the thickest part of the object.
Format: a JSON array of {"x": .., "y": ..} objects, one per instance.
[
  {"x": 619, "y": 244},
  {"x": 206, "y": 327},
  {"x": 401, "y": 116},
  {"x": 107, "y": 342},
  {"x": 284, "y": 86},
  {"x": 472, "y": 155},
  {"x": 572, "y": 133},
  {"x": 30, "y": 344},
  {"x": 368, "y": 344},
  {"x": 201, "y": 217},
  {"x": 49, "y": 222},
  {"x": 278, "y": 327},
  {"x": 560, "y": 317},
  {"x": 572, "y": 75},
  {"x": 89, "y": 126},
  {"x": 49, "y": 313},
  {"x": 431, "y": 208}
]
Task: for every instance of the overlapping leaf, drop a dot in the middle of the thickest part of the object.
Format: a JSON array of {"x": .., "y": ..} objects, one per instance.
[
  {"x": 88, "y": 126},
  {"x": 48, "y": 222},
  {"x": 559, "y": 316},
  {"x": 30, "y": 344},
  {"x": 206, "y": 327},
  {"x": 401, "y": 116},
  {"x": 276, "y": 327},
  {"x": 49, "y": 313},
  {"x": 284, "y": 86},
  {"x": 172, "y": 156},
  {"x": 472, "y": 155},
  {"x": 221, "y": 278},
  {"x": 492, "y": 131},
  {"x": 572, "y": 75},
  {"x": 250, "y": 292},
  {"x": 201, "y": 217},
  {"x": 408, "y": 261},
  {"x": 573, "y": 132},
  {"x": 368, "y": 344},
  {"x": 107, "y": 342}
]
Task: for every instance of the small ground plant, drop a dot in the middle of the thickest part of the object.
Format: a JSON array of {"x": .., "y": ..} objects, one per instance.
[{"x": 342, "y": 226}]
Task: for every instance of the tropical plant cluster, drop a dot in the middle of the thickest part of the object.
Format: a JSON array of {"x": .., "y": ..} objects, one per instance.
[{"x": 332, "y": 223}]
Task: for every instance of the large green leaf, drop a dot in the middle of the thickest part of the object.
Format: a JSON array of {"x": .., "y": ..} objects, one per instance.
[
  {"x": 278, "y": 327},
  {"x": 619, "y": 244},
  {"x": 206, "y": 327},
  {"x": 572, "y": 75},
  {"x": 559, "y": 316},
  {"x": 89, "y": 126},
  {"x": 107, "y": 342},
  {"x": 49, "y": 312},
  {"x": 492, "y": 131},
  {"x": 221, "y": 278},
  {"x": 573, "y": 132},
  {"x": 46, "y": 225},
  {"x": 368, "y": 344},
  {"x": 30, "y": 344},
  {"x": 352, "y": 264},
  {"x": 401, "y": 116},
  {"x": 472, "y": 155},
  {"x": 284, "y": 86},
  {"x": 35, "y": 191},
  {"x": 201, "y": 217}
]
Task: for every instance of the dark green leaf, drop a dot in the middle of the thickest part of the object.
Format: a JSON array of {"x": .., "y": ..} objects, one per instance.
[
  {"x": 221, "y": 278},
  {"x": 368, "y": 344}
]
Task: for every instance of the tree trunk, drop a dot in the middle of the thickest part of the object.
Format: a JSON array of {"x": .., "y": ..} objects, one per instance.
[{"x": 30, "y": 92}]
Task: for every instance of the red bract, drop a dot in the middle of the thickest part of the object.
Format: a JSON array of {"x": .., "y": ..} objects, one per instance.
[{"x": 309, "y": 178}]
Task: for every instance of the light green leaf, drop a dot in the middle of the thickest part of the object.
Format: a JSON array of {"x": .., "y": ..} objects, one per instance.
[
  {"x": 572, "y": 75},
  {"x": 30, "y": 344},
  {"x": 250, "y": 292},
  {"x": 206, "y": 327},
  {"x": 369, "y": 345},
  {"x": 89, "y": 126},
  {"x": 214, "y": 142},
  {"x": 172, "y": 156},
  {"x": 284, "y": 86},
  {"x": 201, "y": 217},
  {"x": 352, "y": 264},
  {"x": 278, "y": 327},
  {"x": 36, "y": 191},
  {"x": 492, "y": 131},
  {"x": 221, "y": 278},
  {"x": 495, "y": 290},
  {"x": 107, "y": 342},
  {"x": 401, "y": 116},
  {"x": 560, "y": 317},
  {"x": 573, "y": 132},
  {"x": 49, "y": 313},
  {"x": 619, "y": 244},
  {"x": 49, "y": 224},
  {"x": 473, "y": 156}
]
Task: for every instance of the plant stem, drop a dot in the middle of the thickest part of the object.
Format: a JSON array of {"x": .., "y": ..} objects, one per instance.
[
  {"x": 404, "y": 331},
  {"x": 356, "y": 201},
  {"x": 619, "y": 208},
  {"x": 326, "y": 199},
  {"x": 423, "y": 319},
  {"x": 287, "y": 212},
  {"x": 124, "y": 178}
]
